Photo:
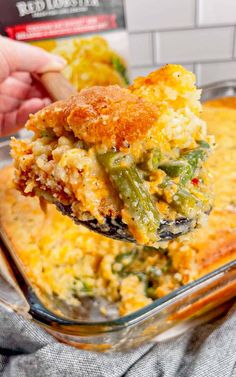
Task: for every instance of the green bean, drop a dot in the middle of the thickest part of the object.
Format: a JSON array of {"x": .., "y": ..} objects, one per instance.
[
  {"x": 123, "y": 261},
  {"x": 194, "y": 157},
  {"x": 151, "y": 292},
  {"x": 126, "y": 179},
  {"x": 203, "y": 144},
  {"x": 152, "y": 160},
  {"x": 167, "y": 267},
  {"x": 179, "y": 168},
  {"x": 151, "y": 249},
  {"x": 142, "y": 276},
  {"x": 86, "y": 289},
  {"x": 185, "y": 168},
  {"x": 184, "y": 202},
  {"x": 126, "y": 258},
  {"x": 154, "y": 272}
]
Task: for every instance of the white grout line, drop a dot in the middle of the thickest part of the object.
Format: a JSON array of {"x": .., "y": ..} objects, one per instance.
[
  {"x": 223, "y": 26},
  {"x": 153, "y": 48},
  {"x": 141, "y": 32},
  {"x": 188, "y": 62},
  {"x": 197, "y": 73},
  {"x": 196, "y": 15},
  {"x": 144, "y": 66},
  {"x": 194, "y": 63},
  {"x": 234, "y": 36}
]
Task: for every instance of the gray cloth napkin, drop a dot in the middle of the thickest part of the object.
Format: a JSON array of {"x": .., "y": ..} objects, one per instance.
[{"x": 206, "y": 351}]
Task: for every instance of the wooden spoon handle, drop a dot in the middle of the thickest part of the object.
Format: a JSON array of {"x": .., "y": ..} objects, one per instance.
[{"x": 57, "y": 86}]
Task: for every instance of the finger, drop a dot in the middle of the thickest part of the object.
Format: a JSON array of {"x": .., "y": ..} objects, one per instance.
[
  {"x": 8, "y": 124},
  {"x": 14, "y": 88},
  {"x": 37, "y": 90},
  {"x": 8, "y": 103},
  {"x": 22, "y": 76},
  {"x": 30, "y": 106},
  {"x": 20, "y": 89},
  {"x": 11, "y": 122},
  {"x": 19, "y": 56}
]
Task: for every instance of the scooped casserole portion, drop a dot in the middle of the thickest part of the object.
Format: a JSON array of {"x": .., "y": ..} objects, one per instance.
[
  {"x": 66, "y": 263},
  {"x": 112, "y": 156}
]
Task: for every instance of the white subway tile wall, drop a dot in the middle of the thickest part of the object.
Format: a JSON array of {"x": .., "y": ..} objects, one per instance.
[
  {"x": 217, "y": 12},
  {"x": 194, "y": 45},
  {"x": 159, "y": 14},
  {"x": 141, "y": 49},
  {"x": 200, "y": 34},
  {"x": 218, "y": 71}
]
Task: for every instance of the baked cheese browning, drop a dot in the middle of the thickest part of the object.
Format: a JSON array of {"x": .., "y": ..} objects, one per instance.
[
  {"x": 103, "y": 116},
  {"x": 225, "y": 102},
  {"x": 135, "y": 156},
  {"x": 165, "y": 102},
  {"x": 68, "y": 262}
]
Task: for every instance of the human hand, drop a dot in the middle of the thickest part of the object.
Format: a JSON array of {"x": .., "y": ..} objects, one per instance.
[{"x": 20, "y": 95}]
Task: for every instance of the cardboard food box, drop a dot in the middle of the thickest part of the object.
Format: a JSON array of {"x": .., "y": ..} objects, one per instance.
[{"x": 90, "y": 34}]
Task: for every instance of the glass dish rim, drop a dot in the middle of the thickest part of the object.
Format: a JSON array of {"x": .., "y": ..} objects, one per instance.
[
  {"x": 44, "y": 315},
  {"x": 40, "y": 313}
]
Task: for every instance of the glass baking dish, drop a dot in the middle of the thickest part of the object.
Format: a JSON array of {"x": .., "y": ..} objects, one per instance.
[{"x": 178, "y": 310}]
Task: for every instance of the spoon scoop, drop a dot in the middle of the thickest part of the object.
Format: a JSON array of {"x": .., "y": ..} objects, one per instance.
[{"x": 117, "y": 229}]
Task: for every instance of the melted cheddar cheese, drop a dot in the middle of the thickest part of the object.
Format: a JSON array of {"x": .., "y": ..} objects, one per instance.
[{"x": 65, "y": 262}]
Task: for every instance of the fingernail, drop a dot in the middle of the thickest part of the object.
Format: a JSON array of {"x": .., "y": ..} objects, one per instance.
[
  {"x": 59, "y": 59},
  {"x": 47, "y": 101},
  {"x": 56, "y": 63}
]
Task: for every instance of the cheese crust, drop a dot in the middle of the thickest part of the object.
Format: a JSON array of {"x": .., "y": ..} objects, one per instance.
[{"x": 58, "y": 255}]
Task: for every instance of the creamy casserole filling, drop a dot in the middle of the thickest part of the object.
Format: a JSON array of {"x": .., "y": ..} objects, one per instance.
[
  {"x": 67, "y": 263},
  {"x": 137, "y": 155}
]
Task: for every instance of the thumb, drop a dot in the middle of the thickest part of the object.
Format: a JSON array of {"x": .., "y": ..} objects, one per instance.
[{"x": 19, "y": 56}]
